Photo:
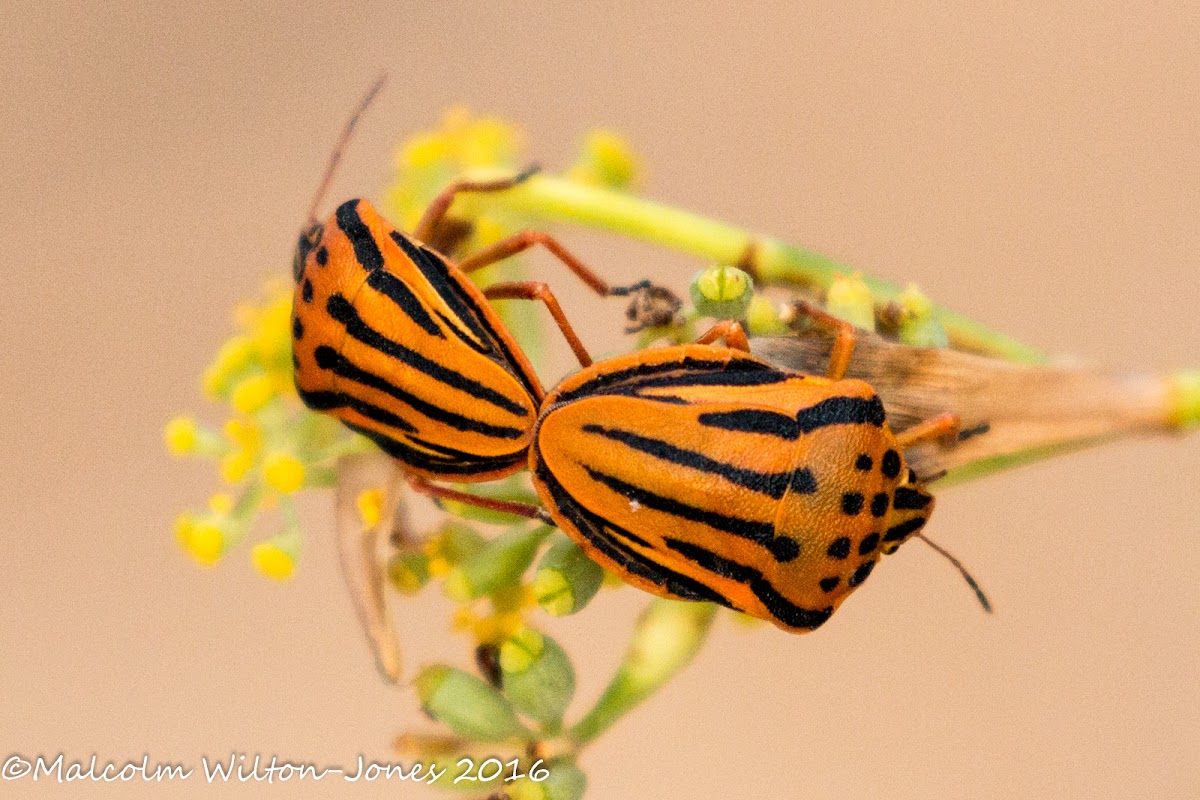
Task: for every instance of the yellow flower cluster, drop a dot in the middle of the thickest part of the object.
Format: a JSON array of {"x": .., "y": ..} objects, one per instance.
[
  {"x": 271, "y": 447},
  {"x": 267, "y": 450},
  {"x": 505, "y": 617},
  {"x": 430, "y": 160}
]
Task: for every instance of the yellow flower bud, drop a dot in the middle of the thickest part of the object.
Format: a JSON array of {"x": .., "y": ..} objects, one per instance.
[
  {"x": 607, "y": 160},
  {"x": 509, "y": 624},
  {"x": 438, "y": 567},
  {"x": 370, "y": 507},
  {"x": 235, "y": 354},
  {"x": 283, "y": 472},
  {"x": 486, "y": 630},
  {"x": 221, "y": 503},
  {"x": 422, "y": 151},
  {"x": 272, "y": 332},
  {"x": 914, "y": 301},
  {"x": 488, "y": 143},
  {"x": 235, "y": 466},
  {"x": 252, "y": 393},
  {"x": 180, "y": 436},
  {"x": 246, "y": 434},
  {"x": 204, "y": 542},
  {"x": 464, "y": 618},
  {"x": 183, "y": 529},
  {"x": 488, "y": 231},
  {"x": 273, "y": 561}
]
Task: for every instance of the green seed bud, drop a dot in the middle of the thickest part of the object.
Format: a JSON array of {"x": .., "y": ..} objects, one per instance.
[
  {"x": 566, "y": 579},
  {"x": 762, "y": 318},
  {"x": 849, "y": 298},
  {"x": 722, "y": 292},
  {"x": 918, "y": 326},
  {"x": 1184, "y": 399},
  {"x": 562, "y": 780},
  {"x": 460, "y": 543},
  {"x": 537, "y": 676},
  {"x": 469, "y": 706},
  {"x": 408, "y": 572},
  {"x": 498, "y": 563}
]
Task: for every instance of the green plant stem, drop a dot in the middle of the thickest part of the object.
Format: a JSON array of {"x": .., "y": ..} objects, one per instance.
[
  {"x": 556, "y": 199},
  {"x": 666, "y": 639}
]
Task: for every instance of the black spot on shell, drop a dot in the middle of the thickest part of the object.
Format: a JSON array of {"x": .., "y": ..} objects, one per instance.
[
  {"x": 839, "y": 549},
  {"x": 891, "y": 464},
  {"x": 861, "y": 574},
  {"x": 784, "y": 549},
  {"x": 829, "y": 584},
  {"x": 852, "y": 503},
  {"x": 868, "y": 545},
  {"x": 864, "y": 463},
  {"x": 879, "y": 504}
]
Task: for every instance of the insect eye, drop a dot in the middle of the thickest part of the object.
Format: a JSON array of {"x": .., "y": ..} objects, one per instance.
[{"x": 308, "y": 241}]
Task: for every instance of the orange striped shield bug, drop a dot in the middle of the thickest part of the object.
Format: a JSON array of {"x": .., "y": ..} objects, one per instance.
[
  {"x": 701, "y": 472},
  {"x": 395, "y": 340}
]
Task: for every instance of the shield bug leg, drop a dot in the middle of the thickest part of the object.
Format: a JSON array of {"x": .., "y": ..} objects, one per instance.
[
  {"x": 491, "y": 504},
  {"x": 732, "y": 332},
  {"x": 843, "y": 344},
  {"x": 435, "y": 214},
  {"x": 534, "y": 290},
  {"x": 943, "y": 425},
  {"x": 520, "y": 242}
]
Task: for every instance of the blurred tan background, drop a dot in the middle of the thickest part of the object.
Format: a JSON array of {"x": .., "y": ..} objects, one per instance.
[{"x": 1035, "y": 167}]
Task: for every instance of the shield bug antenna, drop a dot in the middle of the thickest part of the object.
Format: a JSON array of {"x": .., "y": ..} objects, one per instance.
[
  {"x": 335, "y": 158},
  {"x": 310, "y": 236},
  {"x": 962, "y": 570}
]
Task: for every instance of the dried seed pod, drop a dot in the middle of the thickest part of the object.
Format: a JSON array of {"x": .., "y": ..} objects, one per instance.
[{"x": 1017, "y": 410}]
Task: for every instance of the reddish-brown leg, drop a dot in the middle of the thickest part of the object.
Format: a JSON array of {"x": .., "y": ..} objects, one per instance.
[
  {"x": 843, "y": 344},
  {"x": 491, "y": 504},
  {"x": 533, "y": 290},
  {"x": 521, "y": 242},
  {"x": 441, "y": 204},
  {"x": 929, "y": 430},
  {"x": 732, "y": 332}
]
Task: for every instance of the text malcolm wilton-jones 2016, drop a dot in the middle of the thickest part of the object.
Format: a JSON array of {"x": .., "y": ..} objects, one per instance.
[{"x": 242, "y": 768}]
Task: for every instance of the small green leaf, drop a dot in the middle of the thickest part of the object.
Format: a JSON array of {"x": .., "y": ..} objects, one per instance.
[
  {"x": 499, "y": 563},
  {"x": 468, "y": 705}
]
